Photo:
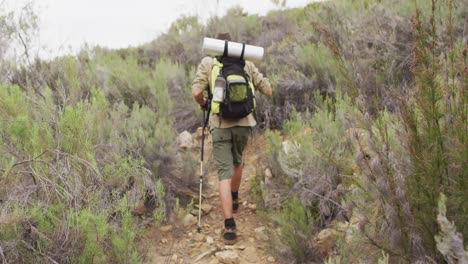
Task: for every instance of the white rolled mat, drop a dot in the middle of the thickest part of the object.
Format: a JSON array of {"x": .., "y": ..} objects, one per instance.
[{"x": 215, "y": 47}]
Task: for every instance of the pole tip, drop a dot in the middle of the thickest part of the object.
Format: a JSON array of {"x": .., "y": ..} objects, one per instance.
[{"x": 199, "y": 229}]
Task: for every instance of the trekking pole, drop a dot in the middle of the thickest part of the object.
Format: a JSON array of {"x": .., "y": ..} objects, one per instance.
[{"x": 201, "y": 164}]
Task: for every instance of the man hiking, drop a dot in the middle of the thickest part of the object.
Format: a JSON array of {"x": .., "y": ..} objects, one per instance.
[{"x": 231, "y": 121}]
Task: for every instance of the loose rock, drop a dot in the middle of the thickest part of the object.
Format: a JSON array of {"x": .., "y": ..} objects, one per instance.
[
  {"x": 185, "y": 140},
  {"x": 206, "y": 208},
  {"x": 227, "y": 257},
  {"x": 325, "y": 241},
  {"x": 250, "y": 254},
  {"x": 261, "y": 233},
  {"x": 271, "y": 259},
  {"x": 214, "y": 261},
  {"x": 194, "y": 212},
  {"x": 199, "y": 237},
  {"x": 189, "y": 220},
  {"x": 209, "y": 240},
  {"x": 166, "y": 228},
  {"x": 206, "y": 253}
]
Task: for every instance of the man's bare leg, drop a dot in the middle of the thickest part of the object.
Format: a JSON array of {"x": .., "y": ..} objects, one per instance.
[
  {"x": 226, "y": 198},
  {"x": 236, "y": 178}
]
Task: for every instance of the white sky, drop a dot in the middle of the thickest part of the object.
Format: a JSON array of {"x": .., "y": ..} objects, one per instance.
[{"x": 65, "y": 25}]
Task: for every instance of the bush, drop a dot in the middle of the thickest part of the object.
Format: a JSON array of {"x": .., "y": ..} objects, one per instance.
[
  {"x": 369, "y": 104},
  {"x": 297, "y": 226}
]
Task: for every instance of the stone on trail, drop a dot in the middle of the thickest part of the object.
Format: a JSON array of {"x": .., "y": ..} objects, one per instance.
[
  {"x": 250, "y": 254},
  {"x": 271, "y": 259},
  {"x": 204, "y": 254},
  {"x": 241, "y": 247},
  {"x": 206, "y": 208},
  {"x": 209, "y": 240},
  {"x": 166, "y": 228},
  {"x": 228, "y": 257},
  {"x": 189, "y": 220},
  {"x": 185, "y": 140},
  {"x": 214, "y": 261},
  {"x": 229, "y": 247},
  {"x": 198, "y": 237},
  {"x": 261, "y": 233}
]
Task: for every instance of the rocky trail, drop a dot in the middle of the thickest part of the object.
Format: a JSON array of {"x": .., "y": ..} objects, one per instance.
[{"x": 181, "y": 243}]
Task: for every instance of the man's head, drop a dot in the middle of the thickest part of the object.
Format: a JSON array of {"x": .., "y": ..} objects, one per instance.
[{"x": 224, "y": 36}]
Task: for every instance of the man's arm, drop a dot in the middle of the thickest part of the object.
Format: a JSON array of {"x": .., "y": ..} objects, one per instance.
[
  {"x": 201, "y": 81},
  {"x": 260, "y": 83}
]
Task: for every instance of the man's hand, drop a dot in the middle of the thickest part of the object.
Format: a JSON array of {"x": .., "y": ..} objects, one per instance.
[
  {"x": 204, "y": 105},
  {"x": 201, "y": 100}
]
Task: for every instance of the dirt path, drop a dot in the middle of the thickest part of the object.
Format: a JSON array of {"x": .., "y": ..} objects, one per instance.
[{"x": 184, "y": 245}]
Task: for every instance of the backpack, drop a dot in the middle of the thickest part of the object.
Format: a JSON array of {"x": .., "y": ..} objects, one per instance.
[{"x": 238, "y": 97}]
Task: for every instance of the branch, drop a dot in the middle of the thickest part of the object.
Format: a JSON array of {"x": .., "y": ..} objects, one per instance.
[
  {"x": 38, "y": 252},
  {"x": 1, "y": 250},
  {"x": 26, "y": 161},
  {"x": 321, "y": 196},
  {"x": 381, "y": 247},
  {"x": 25, "y": 46}
]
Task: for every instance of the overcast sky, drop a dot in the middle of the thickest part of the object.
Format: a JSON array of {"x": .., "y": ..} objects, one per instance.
[{"x": 65, "y": 25}]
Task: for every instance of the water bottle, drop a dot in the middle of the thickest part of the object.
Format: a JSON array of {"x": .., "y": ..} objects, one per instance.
[{"x": 219, "y": 89}]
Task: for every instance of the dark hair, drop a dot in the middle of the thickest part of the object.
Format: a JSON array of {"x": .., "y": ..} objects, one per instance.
[{"x": 223, "y": 36}]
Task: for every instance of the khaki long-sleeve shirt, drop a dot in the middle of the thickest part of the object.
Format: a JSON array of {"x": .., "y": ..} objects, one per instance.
[{"x": 202, "y": 82}]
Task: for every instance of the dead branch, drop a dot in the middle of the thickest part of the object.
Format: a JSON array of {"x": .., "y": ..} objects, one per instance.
[
  {"x": 3, "y": 256},
  {"x": 38, "y": 252},
  {"x": 323, "y": 197}
]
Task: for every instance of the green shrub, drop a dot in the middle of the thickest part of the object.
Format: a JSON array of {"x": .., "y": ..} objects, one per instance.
[
  {"x": 436, "y": 126},
  {"x": 123, "y": 238},
  {"x": 317, "y": 63},
  {"x": 95, "y": 231},
  {"x": 296, "y": 222},
  {"x": 160, "y": 213}
]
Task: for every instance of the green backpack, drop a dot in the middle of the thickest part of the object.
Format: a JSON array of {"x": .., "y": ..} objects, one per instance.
[{"x": 238, "y": 99}]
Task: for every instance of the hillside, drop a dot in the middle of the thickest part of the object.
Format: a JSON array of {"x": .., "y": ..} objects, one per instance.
[{"x": 359, "y": 157}]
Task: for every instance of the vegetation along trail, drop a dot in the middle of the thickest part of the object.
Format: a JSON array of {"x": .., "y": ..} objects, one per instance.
[{"x": 360, "y": 155}]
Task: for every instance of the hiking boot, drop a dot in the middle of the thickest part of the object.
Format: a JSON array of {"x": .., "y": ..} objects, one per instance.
[
  {"x": 235, "y": 205},
  {"x": 229, "y": 236}
]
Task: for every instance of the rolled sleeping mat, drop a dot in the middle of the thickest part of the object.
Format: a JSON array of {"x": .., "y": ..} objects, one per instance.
[{"x": 217, "y": 47}]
